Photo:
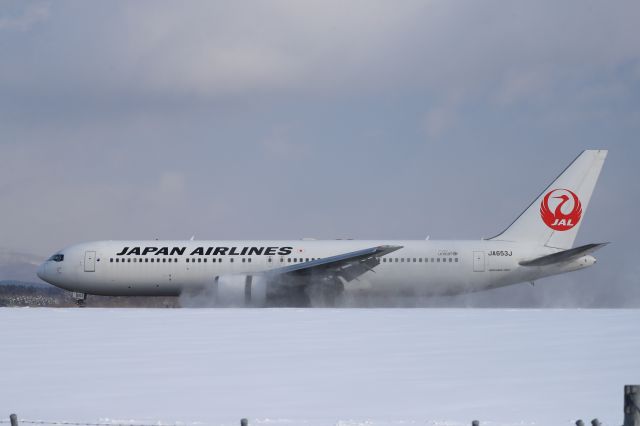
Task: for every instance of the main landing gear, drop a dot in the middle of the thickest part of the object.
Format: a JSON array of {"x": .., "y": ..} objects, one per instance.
[{"x": 80, "y": 298}]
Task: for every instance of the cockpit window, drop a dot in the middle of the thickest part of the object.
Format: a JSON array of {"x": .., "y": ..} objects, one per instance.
[{"x": 57, "y": 258}]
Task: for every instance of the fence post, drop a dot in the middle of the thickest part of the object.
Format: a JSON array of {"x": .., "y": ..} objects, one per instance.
[
  {"x": 14, "y": 420},
  {"x": 244, "y": 422},
  {"x": 631, "y": 405}
]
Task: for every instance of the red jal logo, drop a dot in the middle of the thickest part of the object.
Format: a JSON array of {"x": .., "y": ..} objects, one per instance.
[{"x": 566, "y": 212}]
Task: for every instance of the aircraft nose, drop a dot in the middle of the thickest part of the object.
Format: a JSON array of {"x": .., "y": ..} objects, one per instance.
[{"x": 42, "y": 271}]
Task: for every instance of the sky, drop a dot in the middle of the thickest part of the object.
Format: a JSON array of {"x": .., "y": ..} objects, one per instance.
[{"x": 325, "y": 119}]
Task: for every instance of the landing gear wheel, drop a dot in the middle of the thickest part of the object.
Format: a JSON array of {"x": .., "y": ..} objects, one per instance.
[{"x": 80, "y": 299}]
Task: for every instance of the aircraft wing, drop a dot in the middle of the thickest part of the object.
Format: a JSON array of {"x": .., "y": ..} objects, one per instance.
[
  {"x": 348, "y": 265},
  {"x": 563, "y": 256}
]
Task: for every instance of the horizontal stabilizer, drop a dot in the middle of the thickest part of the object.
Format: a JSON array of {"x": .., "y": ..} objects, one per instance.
[{"x": 563, "y": 256}]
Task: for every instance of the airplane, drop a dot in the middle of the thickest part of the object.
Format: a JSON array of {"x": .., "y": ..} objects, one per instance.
[{"x": 539, "y": 243}]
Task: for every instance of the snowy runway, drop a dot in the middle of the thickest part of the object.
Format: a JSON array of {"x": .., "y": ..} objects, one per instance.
[{"x": 318, "y": 366}]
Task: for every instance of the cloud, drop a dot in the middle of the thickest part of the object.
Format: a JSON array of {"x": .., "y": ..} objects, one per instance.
[
  {"x": 171, "y": 183},
  {"x": 33, "y": 14},
  {"x": 438, "y": 120},
  {"x": 523, "y": 86},
  {"x": 281, "y": 145},
  {"x": 212, "y": 50}
]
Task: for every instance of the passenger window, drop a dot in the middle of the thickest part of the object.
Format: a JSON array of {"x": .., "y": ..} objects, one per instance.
[
  {"x": 456, "y": 260},
  {"x": 111, "y": 260},
  {"x": 249, "y": 260},
  {"x": 450, "y": 260},
  {"x": 420, "y": 260},
  {"x": 289, "y": 260},
  {"x": 231, "y": 260},
  {"x": 269, "y": 260},
  {"x": 432, "y": 260},
  {"x": 438, "y": 260},
  {"x": 164, "y": 260},
  {"x": 187, "y": 260}
]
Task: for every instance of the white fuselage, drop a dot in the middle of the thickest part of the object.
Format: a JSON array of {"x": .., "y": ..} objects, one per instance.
[
  {"x": 419, "y": 267},
  {"x": 254, "y": 270}
]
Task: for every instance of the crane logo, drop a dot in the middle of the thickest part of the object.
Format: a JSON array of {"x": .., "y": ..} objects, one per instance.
[{"x": 561, "y": 209}]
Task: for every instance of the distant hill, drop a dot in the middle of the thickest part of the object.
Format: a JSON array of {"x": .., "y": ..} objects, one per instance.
[{"x": 19, "y": 268}]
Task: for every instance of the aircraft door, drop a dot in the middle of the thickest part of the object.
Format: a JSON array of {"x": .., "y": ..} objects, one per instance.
[
  {"x": 89, "y": 261},
  {"x": 478, "y": 261}
]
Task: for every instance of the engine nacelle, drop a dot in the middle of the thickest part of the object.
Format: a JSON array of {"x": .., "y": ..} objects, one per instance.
[{"x": 240, "y": 290}]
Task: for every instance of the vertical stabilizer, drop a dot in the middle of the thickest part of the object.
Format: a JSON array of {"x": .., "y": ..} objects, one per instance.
[{"x": 554, "y": 218}]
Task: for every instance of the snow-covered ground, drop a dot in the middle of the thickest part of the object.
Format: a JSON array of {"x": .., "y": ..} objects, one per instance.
[{"x": 318, "y": 366}]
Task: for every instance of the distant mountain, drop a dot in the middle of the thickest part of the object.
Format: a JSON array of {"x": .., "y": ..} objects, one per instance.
[{"x": 19, "y": 268}]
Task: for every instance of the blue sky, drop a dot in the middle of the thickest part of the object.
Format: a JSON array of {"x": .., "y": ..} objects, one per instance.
[{"x": 289, "y": 119}]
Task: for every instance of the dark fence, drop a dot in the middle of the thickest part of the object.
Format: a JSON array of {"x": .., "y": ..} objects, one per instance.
[{"x": 631, "y": 415}]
